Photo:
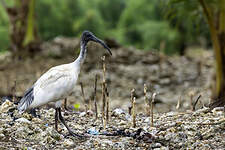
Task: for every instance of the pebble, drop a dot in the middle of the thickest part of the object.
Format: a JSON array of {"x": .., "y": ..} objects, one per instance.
[
  {"x": 177, "y": 131},
  {"x": 82, "y": 114},
  {"x": 219, "y": 111},
  {"x": 23, "y": 120},
  {"x": 117, "y": 112},
  {"x": 6, "y": 106},
  {"x": 68, "y": 142},
  {"x": 128, "y": 117},
  {"x": 2, "y": 135},
  {"x": 147, "y": 120}
]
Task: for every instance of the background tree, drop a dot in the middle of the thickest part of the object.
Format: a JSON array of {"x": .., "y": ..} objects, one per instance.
[
  {"x": 214, "y": 12},
  {"x": 142, "y": 25},
  {"x": 23, "y": 33},
  {"x": 57, "y": 20},
  {"x": 188, "y": 19},
  {"x": 138, "y": 23}
]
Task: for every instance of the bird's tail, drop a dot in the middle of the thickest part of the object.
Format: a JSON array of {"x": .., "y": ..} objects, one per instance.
[{"x": 26, "y": 100}]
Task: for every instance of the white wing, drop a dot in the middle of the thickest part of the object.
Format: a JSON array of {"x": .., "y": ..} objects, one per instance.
[
  {"x": 55, "y": 84},
  {"x": 52, "y": 76}
]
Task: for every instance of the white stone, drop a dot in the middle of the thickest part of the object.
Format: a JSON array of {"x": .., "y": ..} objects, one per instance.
[
  {"x": 68, "y": 142},
  {"x": 23, "y": 120},
  {"x": 82, "y": 114},
  {"x": 118, "y": 111}
]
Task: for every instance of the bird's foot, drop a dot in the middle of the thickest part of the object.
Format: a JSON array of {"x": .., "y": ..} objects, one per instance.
[
  {"x": 76, "y": 135},
  {"x": 68, "y": 109}
]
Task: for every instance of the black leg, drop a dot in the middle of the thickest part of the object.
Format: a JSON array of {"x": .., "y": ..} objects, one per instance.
[
  {"x": 66, "y": 107},
  {"x": 64, "y": 123},
  {"x": 65, "y": 104},
  {"x": 56, "y": 119}
]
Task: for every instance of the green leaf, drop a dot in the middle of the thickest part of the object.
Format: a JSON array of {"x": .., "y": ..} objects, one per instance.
[{"x": 76, "y": 106}]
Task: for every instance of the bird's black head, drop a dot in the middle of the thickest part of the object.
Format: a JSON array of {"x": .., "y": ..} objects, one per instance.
[{"x": 88, "y": 36}]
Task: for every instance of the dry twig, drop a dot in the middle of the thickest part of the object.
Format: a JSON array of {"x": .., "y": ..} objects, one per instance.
[
  {"x": 86, "y": 108},
  {"x": 131, "y": 101},
  {"x": 224, "y": 111},
  {"x": 194, "y": 105},
  {"x": 199, "y": 67},
  {"x": 147, "y": 104},
  {"x": 153, "y": 100},
  {"x": 107, "y": 105},
  {"x": 95, "y": 101},
  {"x": 14, "y": 91},
  {"x": 178, "y": 103},
  {"x": 191, "y": 94},
  {"x": 103, "y": 102},
  {"x": 103, "y": 90},
  {"x": 82, "y": 91},
  {"x": 134, "y": 112}
]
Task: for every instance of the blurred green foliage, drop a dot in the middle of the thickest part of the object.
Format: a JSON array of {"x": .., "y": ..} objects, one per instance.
[
  {"x": 4, "y": 30},
  {"x": 165, "y": 40},
  {"x": 56, "y": 17},
  {"x": 143, "y": 26},
  {"x": 146, "y": 24},
  {"x": 186, "y": 16}
]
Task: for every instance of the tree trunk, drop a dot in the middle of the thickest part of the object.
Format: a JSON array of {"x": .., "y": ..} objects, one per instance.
[
  {"x": 216, "y": 22},
  {"x": 23, "y": 33}
]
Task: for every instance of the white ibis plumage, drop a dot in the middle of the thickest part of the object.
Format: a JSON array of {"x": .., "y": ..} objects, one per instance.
[{"x": 58, "y": 83}]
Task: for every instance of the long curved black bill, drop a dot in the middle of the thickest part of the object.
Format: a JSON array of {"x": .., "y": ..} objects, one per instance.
[{"x": 95, "y": 39}]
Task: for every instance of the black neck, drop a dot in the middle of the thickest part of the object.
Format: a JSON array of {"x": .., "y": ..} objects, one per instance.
[{"x": 83, "y": 51}]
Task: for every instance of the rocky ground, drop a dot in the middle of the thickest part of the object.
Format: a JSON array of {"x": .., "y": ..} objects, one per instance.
[
  {"x": 177, "y": 82},
  {"x": 202, "y": 129}
]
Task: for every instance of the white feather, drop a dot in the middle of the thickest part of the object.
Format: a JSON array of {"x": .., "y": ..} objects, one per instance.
[{"x": 56, "y": 84}]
